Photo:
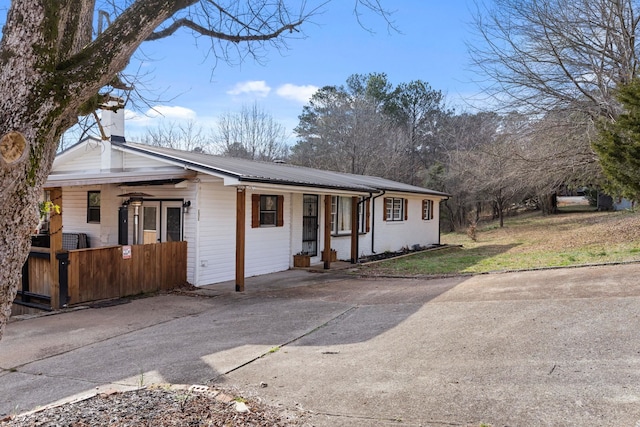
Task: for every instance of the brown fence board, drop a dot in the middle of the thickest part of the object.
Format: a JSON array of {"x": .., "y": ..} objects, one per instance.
[
  {"x": 39, "y": 276},
  {"x": 102, "y": 273}
]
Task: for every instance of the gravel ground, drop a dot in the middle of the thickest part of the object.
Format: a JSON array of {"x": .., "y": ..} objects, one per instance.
[{"x": 161, "y": 406}]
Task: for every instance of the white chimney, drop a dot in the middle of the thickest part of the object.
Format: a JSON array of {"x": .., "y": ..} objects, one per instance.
[
  {"x": 113, "y": 125},
  {"x": 113, "y": 121}
]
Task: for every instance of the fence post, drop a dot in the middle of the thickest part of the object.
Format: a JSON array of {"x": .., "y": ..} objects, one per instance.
[
  {"x": 63, "y": 278},
  {"x": 25, "y": 281}
]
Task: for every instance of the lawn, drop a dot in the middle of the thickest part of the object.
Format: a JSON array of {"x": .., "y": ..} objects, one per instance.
[{"x": 527, "y": 241}]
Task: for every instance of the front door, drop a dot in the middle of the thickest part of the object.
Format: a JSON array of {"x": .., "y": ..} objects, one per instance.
[
  {"x": 310, "y": 224},
  {"x": 161, "y": 221}
]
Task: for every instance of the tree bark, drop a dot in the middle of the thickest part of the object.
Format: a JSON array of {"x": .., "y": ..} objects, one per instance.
[{"x": 48, "y": 68}]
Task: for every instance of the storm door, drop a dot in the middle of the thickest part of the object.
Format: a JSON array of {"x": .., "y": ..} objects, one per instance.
[
  {"x": 161, "y": 221},
  {"x": 310, "y": 224}
]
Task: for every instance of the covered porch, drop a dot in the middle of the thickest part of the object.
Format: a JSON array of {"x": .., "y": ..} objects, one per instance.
[{"x": 54, "y": 277}]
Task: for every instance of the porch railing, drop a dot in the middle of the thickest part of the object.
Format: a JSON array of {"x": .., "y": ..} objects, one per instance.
[{"x": 94, "y": 274}]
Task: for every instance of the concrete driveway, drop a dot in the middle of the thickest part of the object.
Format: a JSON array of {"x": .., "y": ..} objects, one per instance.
[{"x": 555, "y": 347}]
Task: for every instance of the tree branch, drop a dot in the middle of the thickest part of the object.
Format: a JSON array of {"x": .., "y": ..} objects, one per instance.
[{"x": 234, "y": 38}]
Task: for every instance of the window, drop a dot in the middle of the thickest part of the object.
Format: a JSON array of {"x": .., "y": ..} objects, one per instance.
[
  {"x": 396, "y": 209},
  {"x": 341, "y": 215},
  {"x": 267, "y": 211},
  {"x": 427, "y": 209},
  {"x": 93, "y": 206}
]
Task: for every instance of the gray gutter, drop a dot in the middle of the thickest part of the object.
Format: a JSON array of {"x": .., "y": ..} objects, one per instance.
[{"x": 307, "y": 184}]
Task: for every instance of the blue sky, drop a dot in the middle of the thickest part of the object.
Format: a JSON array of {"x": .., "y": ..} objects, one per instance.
[{"x": 431, "y": 47}]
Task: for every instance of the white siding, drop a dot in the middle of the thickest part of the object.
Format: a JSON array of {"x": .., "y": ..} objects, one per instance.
[
  {"x": 88, "y": 160},
  {"x": 394, "y": 235},
  {"x": 74, "y": 213},
  {"x": 134, "y": 161},
  {"x": 216, "y": 253},
  {"x": 295, "y": 219},
  {"x": 267, "y": 249}
]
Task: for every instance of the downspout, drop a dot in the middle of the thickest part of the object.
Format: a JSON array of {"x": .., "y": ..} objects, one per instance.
[{"x": 373, "y": 220}]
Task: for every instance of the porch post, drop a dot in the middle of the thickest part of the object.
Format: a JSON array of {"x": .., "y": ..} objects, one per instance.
[
  {"x": 326, "y": 254},
  {"x": 55, "y": 245},
  {"x": 240, "y": 237},
  {"x": 354, "y": 229}
]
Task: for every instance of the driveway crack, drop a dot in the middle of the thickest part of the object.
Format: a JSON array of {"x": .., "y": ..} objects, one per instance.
[{"x": 291, "y": 341}]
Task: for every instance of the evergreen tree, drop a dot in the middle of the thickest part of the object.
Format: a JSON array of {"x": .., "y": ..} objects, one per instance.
[{"x": 618, "y": 145}]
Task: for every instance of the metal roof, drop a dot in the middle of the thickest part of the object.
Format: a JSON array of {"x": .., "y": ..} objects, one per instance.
[{"x": 274, "y": 173}]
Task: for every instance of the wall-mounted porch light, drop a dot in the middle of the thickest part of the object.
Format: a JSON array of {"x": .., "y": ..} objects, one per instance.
[{"x": 185, "y": 206}]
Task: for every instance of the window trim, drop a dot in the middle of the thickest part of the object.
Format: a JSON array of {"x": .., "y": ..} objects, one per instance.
[
  {"x": 402, "y": 203},
  {"x": 427, "y": 209},
  {"x": 363, "y": 212},
  {"x": 268, "y": 214},
  {"x": 92, "y": 208},
  {"x": 256, "y": 206}
]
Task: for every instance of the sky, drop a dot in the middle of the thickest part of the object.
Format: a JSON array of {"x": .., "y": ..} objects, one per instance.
[
  {"x": 429, "y": 46},
  {"x": 190, "y": 86}
]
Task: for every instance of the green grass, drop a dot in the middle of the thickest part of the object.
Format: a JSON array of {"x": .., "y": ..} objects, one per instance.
[{"x": 526, "y": 242}]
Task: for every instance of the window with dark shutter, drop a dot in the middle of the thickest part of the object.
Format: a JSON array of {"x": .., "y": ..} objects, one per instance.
[
  {"x": 427, "y": 209},
  {"x": 395, "y": 209},
  {"x": 267, "y": 210}
]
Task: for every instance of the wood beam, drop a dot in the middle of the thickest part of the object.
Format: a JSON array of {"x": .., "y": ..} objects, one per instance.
[
  {"x": 55, "y": 246},
  {"x": 326, "y": 254},
  {"x": 354, "y": 229},
  {"x": 241, "y": 203}
]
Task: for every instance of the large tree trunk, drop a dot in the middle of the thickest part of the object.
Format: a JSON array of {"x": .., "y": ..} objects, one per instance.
[
  {"x": 49, "y": 67},
  {"x": 32, "y": 118}
]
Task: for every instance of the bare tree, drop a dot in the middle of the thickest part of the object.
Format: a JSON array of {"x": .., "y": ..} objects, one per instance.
[
  {"x": 55, "y": 67},
  {"x": 252, "y": 134},
  {"x": 187, "y": 136},
  {"x": 557, "y": 55},
  {"x": 495, "y": 174},
  {"x": 454, "y": 171}
]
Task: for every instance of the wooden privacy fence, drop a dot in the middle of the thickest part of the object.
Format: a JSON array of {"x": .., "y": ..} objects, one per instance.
[
  {"x": 36, "y": 280},
  {"x": 103, "y": 273}
]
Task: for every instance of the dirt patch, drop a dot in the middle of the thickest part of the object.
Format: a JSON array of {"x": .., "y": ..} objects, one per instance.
[{"x": 160, "y": 406}]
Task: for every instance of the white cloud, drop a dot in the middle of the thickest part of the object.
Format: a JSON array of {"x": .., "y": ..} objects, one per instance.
[
  {"x": 256, "y": 87},
  {"x": 159, "y": 112},
  {"x": 301, "y": 94},
  {"x": 171, "y": 112}
]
